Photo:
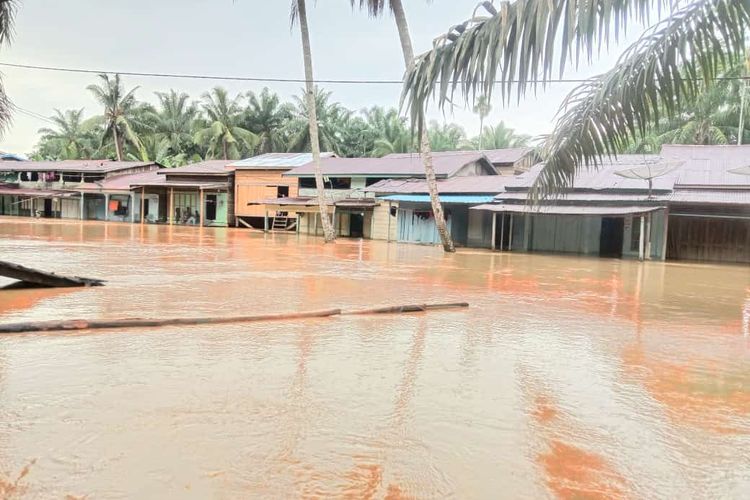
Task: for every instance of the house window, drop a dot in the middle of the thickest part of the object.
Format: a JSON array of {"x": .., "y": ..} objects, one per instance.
[{"x": 329, "y": 182}]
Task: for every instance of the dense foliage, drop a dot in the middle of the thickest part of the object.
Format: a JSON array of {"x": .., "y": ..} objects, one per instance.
[{"x": 179, "y": 130}]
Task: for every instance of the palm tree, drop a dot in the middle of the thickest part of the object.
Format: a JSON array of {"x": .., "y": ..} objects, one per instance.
[
  {"x": 390, "y": 132},
  {"x": 331, "y": 117},
  {"x": 7, "y": 14},
  {"x": 500, "y": 137},
  {"x": 69, "y": 134},
  {"x": 377, "y": 8},
  {"x": 174, "y": 122},
  {"x": 482, "y": 108},
  {"x": 266, "y": 117},
  {"x": 446, "y": 137},
  {"x": 299, "y": 13},
  {"x": 222, "y": 135},
  {"x": 122, "y": 113},
  {"x": 514, "y": 45}
]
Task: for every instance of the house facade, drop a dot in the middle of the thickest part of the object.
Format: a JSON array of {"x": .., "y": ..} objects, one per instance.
[
  {"x": 71, "y": 189},
  {"x": 691, "y": 207}
]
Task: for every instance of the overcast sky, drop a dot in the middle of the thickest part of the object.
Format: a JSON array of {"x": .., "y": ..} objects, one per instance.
[{"x": 231, "y": 37}]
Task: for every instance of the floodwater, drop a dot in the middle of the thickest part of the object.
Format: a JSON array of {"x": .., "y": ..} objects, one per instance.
[{"x": 568, "y": 377}]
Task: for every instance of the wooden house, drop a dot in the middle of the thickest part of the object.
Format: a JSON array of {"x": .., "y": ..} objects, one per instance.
[
  {"x": 70, "y": 189},
  {"x": 260, "y": 179}
]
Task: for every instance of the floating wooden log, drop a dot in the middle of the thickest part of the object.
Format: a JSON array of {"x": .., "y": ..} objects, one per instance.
[
  {"x": 34, "y": 277},
  {"x": 408, "y": 308},
  {"x": 81, "y": 324}
]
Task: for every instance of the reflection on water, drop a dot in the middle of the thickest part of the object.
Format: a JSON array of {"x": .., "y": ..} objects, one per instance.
[{"x": 568, "y": 377}]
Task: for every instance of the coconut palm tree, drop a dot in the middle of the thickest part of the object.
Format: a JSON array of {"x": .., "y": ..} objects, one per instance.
[
  {"x": 123, "y": 114},
  {"x": 266, "y": 117},
  {"x": 69, "y": 134},
  {"x": 482, "y": 108},
  {"x": 222, "y": 135},
  {"x": 299, "y": 13},
  {"x": 174, "y": 123},
  {"x": 520, "y": 44},
  {"x": 7, "y": 14},
  {"x": 377, "y": 8},
  {"x": 499, "y": 137}
]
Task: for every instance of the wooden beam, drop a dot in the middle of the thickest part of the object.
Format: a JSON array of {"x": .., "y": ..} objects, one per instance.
[
  {"x": 42, "y": 278},
  {"x": 642, "y": 240},
  {"x": 666, "y": 234},
  {"x": 143, "y": 204},
  {"x": 502, "y": 232},
  {"x": 170, "y": 210},
  {"x": 202, "y": 208}
]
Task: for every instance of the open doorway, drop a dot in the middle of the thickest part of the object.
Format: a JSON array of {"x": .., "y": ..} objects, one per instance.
[
  {"x": 211, "y": 206},
  {"x": 611, "y": 239},
  {"x": 48, "y": 207},
  {"x": 356, "y": 225}
]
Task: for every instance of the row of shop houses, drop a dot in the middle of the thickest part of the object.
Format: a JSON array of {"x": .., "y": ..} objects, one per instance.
[{"x": 687, "y": 203}]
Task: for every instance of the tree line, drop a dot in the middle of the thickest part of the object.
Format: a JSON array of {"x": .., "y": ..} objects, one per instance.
[{"x": 180, "y": 130}]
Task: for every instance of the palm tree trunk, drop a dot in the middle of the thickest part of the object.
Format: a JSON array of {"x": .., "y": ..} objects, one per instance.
[
  {"x": 424, "y": 142},
  {"x": 328, "y": 233},
  {"x": 118, "y": 146}
]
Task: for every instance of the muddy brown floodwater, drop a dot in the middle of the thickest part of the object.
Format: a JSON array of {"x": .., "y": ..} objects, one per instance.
[{"x": 568, "y": 377}]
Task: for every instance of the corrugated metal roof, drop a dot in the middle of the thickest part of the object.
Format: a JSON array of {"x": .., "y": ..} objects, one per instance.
[
  {"x": 276, "y": 161},
  {"x": 709, "y": 165},
  {"x": 204, "y": 167},
  {"x": 91, "y": 166},
  {"x": 124, "y": 182},
  {"x": 423, "y": 198},
  {"x": 406, "y": 165},
  {"x": 590, "y": 197},
  {"x": 474, "y": 184},
  {"x": 711, "y": 196},
  {"x": 507, "y": 155},
  {"x": 566, "y": 209}
]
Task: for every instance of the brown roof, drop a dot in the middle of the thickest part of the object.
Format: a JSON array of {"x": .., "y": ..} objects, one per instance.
[
  {"x": 507, "y": 155},
  {"x": 401, "y": 165},
  {"x": 90, "y": 166},
  {"x": 208, "y": 167},
  {"x": 474, "y": 184}
]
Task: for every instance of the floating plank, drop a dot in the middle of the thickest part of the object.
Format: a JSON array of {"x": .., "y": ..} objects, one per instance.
[
  {"x": 44, "y": 279},
  {"x": 81, "y": 324}
]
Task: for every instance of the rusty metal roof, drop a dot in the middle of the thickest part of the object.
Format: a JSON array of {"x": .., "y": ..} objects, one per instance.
[{"x": 401, "y": 165}]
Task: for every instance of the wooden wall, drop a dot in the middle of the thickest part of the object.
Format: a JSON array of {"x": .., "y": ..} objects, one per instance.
[
  {"x": 255, "y": 185},
  {"x": 709, "y": 239}
]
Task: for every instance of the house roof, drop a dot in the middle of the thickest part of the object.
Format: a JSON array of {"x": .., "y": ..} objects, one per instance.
[
  {"x": 524, "y": 208},
  {"x": 474, "y": 184},
  {"x": 507, "y": 155},
  {"x": 208, "y": 167},
  {"x": 89, "y": 166},
  {"x": 709, "y": 165},
  {"x": 463, "y": 199},
  {"x": 14, "y": 190},
  {"x": 276, "y": 161},
  {"x": 401, "y": 165}
]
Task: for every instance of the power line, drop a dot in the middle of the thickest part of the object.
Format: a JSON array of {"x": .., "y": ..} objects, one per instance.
[{"x": 244, "y": 78}]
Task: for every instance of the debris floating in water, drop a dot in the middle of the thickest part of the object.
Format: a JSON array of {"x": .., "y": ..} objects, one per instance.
[
  {"x": 30, "y": 278},
  {"x": 82, "y": 324}
]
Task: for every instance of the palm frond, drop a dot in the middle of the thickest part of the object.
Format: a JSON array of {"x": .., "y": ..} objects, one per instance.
[
  {"x": 666, "y": 68},
  {"x": 516, "y": 44}
]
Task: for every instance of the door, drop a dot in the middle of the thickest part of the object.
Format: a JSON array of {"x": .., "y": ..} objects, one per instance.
[
  {"x": 211, "y": 207},
  {"x": 356, "y": 225},
  {"x": 611, "y": 239},
  {"x": 48, "y": 207}
]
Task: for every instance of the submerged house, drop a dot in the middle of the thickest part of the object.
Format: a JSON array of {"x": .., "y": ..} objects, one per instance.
[
  {"x": 198, "y": 194},
  {"x": 687, "y": 204},
  {"x": 260, "y": 179},
  {"x": 70, "y": 189},
  {"x": 356, "y": 211}
]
